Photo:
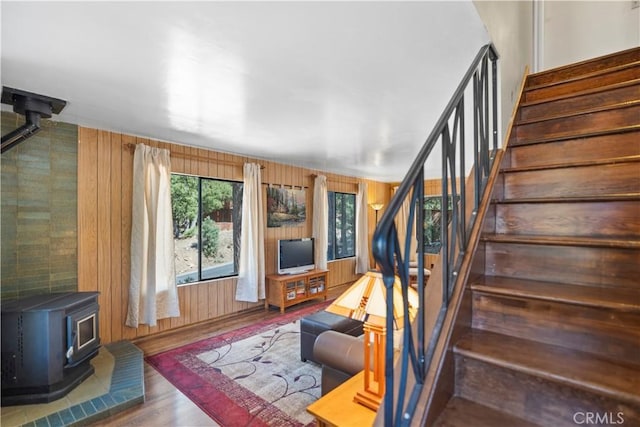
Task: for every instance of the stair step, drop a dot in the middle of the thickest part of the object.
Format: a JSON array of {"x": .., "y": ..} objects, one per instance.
[
  {"x": 566, "y": 165},
  {"x": 611, "y": 298},
  {"x": 581, "y": 370},
  {"x": 573, "y": 180},
  {"x": 555, "y": 320},
  {"x": 578, "y": 265},
  {"x": 461, "y": 412},
  {"x": 569, "y": 126},
  {"x": 574, "y": 150},
  {"x": 555, "y": 364},
  {"x": 577, "y": 134},
  {"x": 609, "y": 76},
  {"x": 586, "y": 67},
  {"x": 593, "y": 242},
  {"x": 579, "y": 105},
  {"x": 590, "y": 321},
  {"x": 600, "y": 199},
  {"x": 579, "y": 94},
  {"x": 609, "y": 218}
]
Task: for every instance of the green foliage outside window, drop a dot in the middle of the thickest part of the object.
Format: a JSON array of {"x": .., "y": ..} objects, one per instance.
[
  {"x": 184, "y": 203},
  {"x": 433, "y": 221},
  {"x": 210, "y": 233},
  {"x": 342, "y": 225},
  {"x": 215, "y": 194},
  {"x": 206, "y": 227}
]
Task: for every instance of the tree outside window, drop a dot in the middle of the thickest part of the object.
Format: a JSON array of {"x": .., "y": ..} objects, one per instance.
[
  {"x": 342, "y": 225},
  {"x": 206, "y": 227},
  {"x": 432, "y": 223}
]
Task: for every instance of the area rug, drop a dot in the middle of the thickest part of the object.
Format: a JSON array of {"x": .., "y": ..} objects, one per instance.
[{"x": 252, "y": 376}]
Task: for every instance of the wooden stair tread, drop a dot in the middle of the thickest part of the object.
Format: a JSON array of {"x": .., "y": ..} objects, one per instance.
[
  {"x": 572, "y": 125},
  {"x": 622, "y": 299},
  {"x": 577, "y": 112},
  {"x": 554, "y": 363},
  {"x": 587, "y": 66},
  {"x": 581, "y": 93},
  {"x": 603, "y": 198},
  {"x": 576, "y": 135},
  {"x": 598, "y": 242},
  {"x": 599, "y": 162},
  {"x": 585, "y": 76},
  {"x": 461, "y": 412}
]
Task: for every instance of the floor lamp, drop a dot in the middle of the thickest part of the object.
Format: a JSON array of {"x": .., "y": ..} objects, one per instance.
[
  {"x": 376, "y": 207},
  {"x": 366, "y": 300}
]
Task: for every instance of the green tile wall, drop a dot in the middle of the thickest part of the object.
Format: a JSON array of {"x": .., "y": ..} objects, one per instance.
[{"x": 39, "y": 210}]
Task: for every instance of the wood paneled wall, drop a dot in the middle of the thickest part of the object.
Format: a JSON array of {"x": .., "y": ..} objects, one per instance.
[{"x": 105, "y": 162}]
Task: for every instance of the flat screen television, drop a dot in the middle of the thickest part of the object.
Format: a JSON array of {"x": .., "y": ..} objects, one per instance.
[{"x": 296, "y": 255}]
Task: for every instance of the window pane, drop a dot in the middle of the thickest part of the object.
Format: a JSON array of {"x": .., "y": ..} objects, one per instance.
[
  {"x": 221, "y": 209},
  {"x": 331, "y": 238},
  {"x": 433, "y": 222},
  {"x": 184, "y": 204},
  {"x": 207, "y": 222},
  {"x": 342, "y": 225}
]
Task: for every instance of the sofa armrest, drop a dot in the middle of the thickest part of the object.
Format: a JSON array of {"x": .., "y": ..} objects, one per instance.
[{"x": 340, "y": 351}]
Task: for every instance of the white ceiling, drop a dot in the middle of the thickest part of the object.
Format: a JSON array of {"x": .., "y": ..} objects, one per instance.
[{"x": 345, "y": 87}]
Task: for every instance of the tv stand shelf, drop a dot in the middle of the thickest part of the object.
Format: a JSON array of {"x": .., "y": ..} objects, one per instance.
[{"x": 290, "y": 289}]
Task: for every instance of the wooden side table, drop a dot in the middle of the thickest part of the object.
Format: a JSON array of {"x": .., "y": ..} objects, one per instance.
[{"x": 337, "y": 408}]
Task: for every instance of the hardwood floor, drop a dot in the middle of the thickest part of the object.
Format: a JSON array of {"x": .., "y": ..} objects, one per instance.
[{"x": 164, "y": 404}]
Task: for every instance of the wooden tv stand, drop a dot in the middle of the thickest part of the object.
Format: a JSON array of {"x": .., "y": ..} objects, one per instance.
[{"x": 289, "y": 289}]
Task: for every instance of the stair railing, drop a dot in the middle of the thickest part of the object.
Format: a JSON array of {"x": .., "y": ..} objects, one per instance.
[{"x": 449, "y": 136}]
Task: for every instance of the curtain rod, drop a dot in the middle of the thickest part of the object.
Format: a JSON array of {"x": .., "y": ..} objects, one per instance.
[
  {"x": 132, "y": 146},
  {"x": 349, "y": 180},
  {"x": 293, "y": 187}
]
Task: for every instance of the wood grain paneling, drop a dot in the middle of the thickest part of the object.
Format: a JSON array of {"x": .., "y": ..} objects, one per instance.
[{"x": 105, "y": 162}]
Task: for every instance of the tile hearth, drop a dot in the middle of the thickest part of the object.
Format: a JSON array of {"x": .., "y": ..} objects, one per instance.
[{"x": 117, "y": 384}]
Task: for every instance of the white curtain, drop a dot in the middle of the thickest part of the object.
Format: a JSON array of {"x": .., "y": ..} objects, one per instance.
[
  {"x": 402, "y": 219},
  {"x": 153, "y": 293},
  {"x": 362, "y": 230},
  {"x": 320, "y": 220},
  {"x": 251, "y": 270}
]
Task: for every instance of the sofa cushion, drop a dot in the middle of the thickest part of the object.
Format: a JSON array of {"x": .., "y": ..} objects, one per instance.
[
  {"x": 340, "y": 351},
  {"x": 313, "y": 325}
]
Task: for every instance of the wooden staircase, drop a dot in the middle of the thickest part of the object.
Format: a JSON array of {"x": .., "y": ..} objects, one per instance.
[{"x": 553, "y": 336}]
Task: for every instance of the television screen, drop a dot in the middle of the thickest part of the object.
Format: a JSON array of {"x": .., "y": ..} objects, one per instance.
[{"x": 295, "y": 255}]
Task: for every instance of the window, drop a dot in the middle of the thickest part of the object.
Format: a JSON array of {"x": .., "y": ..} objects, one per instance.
[
  {"x": 432, "y": 222},
  {"x": 342, "y": 225},
  {"x": 206, "y": 227}
]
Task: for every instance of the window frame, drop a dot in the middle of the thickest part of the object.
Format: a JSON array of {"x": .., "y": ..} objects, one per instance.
[
  {"x": 332, "y": 231},
  {"x": 199, "y": 220}
]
